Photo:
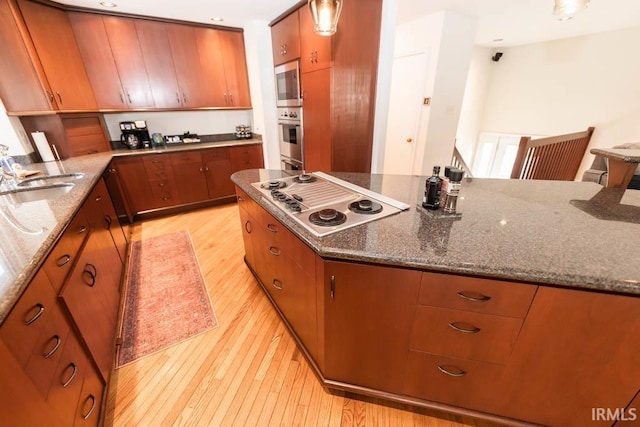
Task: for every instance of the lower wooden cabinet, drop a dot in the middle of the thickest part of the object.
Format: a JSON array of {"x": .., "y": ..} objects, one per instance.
[
  {"x": 92, "y": 296},
  {"x": 519, "y": 351},
  {"x": 157, "y": 182},
  {"x": 368, "y": 313}
]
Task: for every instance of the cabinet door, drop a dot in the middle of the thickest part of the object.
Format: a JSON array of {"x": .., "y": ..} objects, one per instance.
[
  {"x": 186, "y": 60},
  {"x": 88, "y": 409},
  {"x": 56, "y": 45},
  {"x": 92, "y": 297},
  {"x": 577, "y": 350},
  {"x": 137, "y": 191},
  {"x": 127, "y": 54},
  {"x": 217, "y": 165},
  {"x": 315, "y": 50},
  {"x": 285, "y": 38},
  {"x": 189, "y": 176},
  {"x": 368, "y": 312},
  {"x": 316, "y": 87},
  {"x": 99, "y": 62},
  {"x": 102, "y": 216},
  {"x": 158, "y": 61},
  {"x": 214, "y": 84},
  {"x": 20, "y": 85},
  {"x": 248, "y": 227},
  {"x": 235, "y": 69}
]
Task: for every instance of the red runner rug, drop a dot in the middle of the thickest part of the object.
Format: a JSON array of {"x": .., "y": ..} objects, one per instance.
[{"x": 167, "y": 300}]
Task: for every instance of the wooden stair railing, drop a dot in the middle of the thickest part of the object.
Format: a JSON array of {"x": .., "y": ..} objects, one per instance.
[
  {"x": 554, "y": 157},
  {"x": 458, "y": 162}
]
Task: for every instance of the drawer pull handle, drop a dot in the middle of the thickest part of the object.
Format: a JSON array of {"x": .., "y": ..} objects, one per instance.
[
  {"x": 93, "y": 406},
  {"x": 55, "y": 348},
  {"x": 240, "y": 199},
  {"x": 248, "y": 227},
  {"x": 74, "y": 371},
  {"x": 332, "y": 291},
  {"x": 464, "y": 327},
  {"x": 277, "y": 284},
  {"x": 82, "y": 229},
  {"x": 36, "y": 316},
  {"x": 63, "y": 260},
  {"x": 452, "y": 371},
  {"x": 91, "y": 272},
  {"x": 274, "y": 251},
  {"x": 272, "y": 228},
  {"x": 108, "y": 221},
  {"x": 474, "y": 296}
]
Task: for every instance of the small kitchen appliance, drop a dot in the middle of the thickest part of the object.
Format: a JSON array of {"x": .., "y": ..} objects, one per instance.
[
  {"x": 135, "y": 134},
  {"x": 324, "y": 204}
]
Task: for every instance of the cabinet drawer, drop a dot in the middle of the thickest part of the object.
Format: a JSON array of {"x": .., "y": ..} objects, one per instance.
[
  {"x": 215, "y": 154},
  {"x": 162, "y": 192},
  {"x": 246, "y": 157},
  {"x": 186, "y": 157},
  {"x": 24, "y": 325},
  {"x": 157, "y": 167},
  {"x": 283, "y": 242},
  {"x": 62, "y": 257},
  {"x": 88, "y": 408},
  {"x": 464, "y": 383},
  {"x": 48, "y": 350},
  {"x": 478, "y": 295},
  {"x": 67, "y": 382},
  {"x": 464, "y": 334}
]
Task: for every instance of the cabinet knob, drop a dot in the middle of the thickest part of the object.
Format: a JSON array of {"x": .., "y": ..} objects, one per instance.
[
  {"x": 274, "y": 251},
  {"x": 277, "y": 284}
]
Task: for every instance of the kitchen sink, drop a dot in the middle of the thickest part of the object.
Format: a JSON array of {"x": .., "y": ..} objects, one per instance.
[
  {"x": 42, "y": 192},
  {"x": 39, "y": 181}
]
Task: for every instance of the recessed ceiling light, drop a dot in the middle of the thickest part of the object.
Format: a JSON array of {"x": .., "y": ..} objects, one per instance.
[
  {"x": 216, "y": 19},
  {"x": 108, "y": 4},
  {"x": 498, "y": 40}
]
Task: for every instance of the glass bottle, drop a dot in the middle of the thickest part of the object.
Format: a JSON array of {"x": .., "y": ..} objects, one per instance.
[
  {"x": 453, "y": 190},
  {"x": 433, "y": 187}
]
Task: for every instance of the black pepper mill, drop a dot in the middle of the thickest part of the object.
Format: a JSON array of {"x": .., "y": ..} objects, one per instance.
[{"x": 433, "y": 186}]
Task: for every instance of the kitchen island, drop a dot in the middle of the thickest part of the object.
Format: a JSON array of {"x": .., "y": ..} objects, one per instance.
[{"x": 523, "y": 307}]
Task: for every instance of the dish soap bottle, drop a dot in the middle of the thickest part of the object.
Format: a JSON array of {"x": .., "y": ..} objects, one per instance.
[{"x": 432, "y": 189}]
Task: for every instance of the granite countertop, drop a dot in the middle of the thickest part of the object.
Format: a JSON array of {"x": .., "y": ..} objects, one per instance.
[
  {"x": 623, "y": 154},
  {"x": 570, "y": 234},
  {"x": 170, "y": 148},
  {"x": 31, "y": 229}
]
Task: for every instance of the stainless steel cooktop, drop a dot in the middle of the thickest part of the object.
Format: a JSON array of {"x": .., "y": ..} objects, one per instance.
[{"x": 324, "y": 204}]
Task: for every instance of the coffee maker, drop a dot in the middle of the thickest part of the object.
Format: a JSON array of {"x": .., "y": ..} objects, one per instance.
[{"x": 135, "y": 134}]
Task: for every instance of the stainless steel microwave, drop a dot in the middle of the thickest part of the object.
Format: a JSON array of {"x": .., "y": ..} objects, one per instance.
[{"x": 288, "y": 85}]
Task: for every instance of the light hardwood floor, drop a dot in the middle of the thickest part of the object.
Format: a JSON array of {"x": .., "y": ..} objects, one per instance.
[{"x": 247, "y": 371}]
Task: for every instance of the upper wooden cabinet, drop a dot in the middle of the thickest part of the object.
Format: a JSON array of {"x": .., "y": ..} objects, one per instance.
[
  {"x": 315, "y": 50},
  {"x": 56, "y": 47},
  {"x": 285, "y": 39},
  {"x": 225, "y": 68},
  {"x": 20, "y": 84},
  {"x": 186, "y": 60},
  {"x": 159, "y": 63}
]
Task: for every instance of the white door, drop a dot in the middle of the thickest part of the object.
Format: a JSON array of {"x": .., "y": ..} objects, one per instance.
[{"x": 408, "y": 78}]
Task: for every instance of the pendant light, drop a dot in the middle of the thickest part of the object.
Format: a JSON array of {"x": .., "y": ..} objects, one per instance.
[
  {"x": 325, "y": 15},
  {"x": 565, "y": 9}
]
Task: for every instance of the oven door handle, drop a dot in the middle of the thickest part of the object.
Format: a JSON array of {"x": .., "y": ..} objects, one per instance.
[{"x": 289, "y": 122}]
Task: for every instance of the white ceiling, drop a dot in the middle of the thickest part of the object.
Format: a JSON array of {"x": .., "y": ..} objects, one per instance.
[{"x": 515, "y": 21}]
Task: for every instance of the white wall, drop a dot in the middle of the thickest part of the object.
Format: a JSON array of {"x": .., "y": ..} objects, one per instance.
[
  {"x": 567, "y": 85},
  {"x": 473, "y": 103},
  {"x": 12, "y": 134},
  {"x": 257, "y": 38},
  {"x": 178, "y": 122},
  {"x": 447, "y": 38}
]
